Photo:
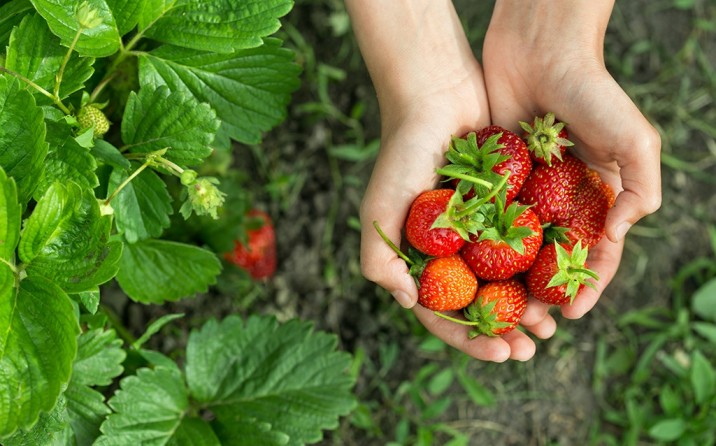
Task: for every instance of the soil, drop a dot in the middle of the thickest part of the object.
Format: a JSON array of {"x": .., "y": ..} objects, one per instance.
[{"x": 315, "y": 202}]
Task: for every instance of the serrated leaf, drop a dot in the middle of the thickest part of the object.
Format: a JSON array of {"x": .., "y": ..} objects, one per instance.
[
  {"x": 126, "y": 13},
  {"x": 142, "y": 208},
  {"x": 260, "y": 372},
  {"x": 151, "y": 408},
  {"x": 50, "y": 429},
  {"x": 35, "y": 53},
  {"x": 101, "y": 41},
  {"x": 66, "y": 239},
  {"x": 38, "y": 341},
  {"x": 157, "y": 118},
  {"x": 155, "y": 271},
  {"x": 11, "y": 13},
  {"x": 10, "y": 217},
  {"x": 66, "y": 161},
  {"x": 221, "y": 26},
  {"x": 23, "y": 126},
  {"x": 249, "y": 89}
]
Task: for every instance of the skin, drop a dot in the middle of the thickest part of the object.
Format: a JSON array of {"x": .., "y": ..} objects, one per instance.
[{"x": 430, "y": 86}]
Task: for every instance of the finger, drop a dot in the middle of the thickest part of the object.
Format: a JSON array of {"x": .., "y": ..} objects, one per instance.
[
  {"x": 604, "y": 260},
  {"x": 522, "y": 348},
  {"x": 484, "y": 348},
  {"x": 537, "y": 319}
]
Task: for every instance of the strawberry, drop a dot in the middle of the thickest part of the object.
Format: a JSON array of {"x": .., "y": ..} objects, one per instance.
[
  {"x": 480, "y": 161},
  {"x": 444, "y": 283},
  {"x": 91, "y": 116},
  {"x": 546, "y": 138},
  {"x": 497, "y": 308},
  {"x": 435, "y": 226},
  {"x": 257, "y": 254},
  {"x": 559, "y": 273},
  {"x": 507, "y": 246},
  {"x": 569, "y": 195}
]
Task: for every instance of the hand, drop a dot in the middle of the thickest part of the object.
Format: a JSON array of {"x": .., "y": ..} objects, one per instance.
[
  {"x": 543, "y": 56},
  {"x": 429, "y": 87}
]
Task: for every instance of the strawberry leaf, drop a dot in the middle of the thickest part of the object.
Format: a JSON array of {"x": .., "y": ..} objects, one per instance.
[
  {"x": 10, "y": 217},
  {"x": 36, "y": 53},
  {"x": 142, "y": 208},
  {"x": 249, "y": 89},
  {"x": 11, "y": 13},
  {"x": 157, "y": 118},
  {"x": 22, "y": 123},
  {"x": 61, "y": 15},
  {"x": 38, "y": 342},
  {"x": 257, "y": 375},
  {"x": 126, "y": 13},
  {"x": 149, "y": 270},
  {"x": 221, "y": 26}
]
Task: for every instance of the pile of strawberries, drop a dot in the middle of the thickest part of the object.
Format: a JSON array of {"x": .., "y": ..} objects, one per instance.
[{"x": 515, "y": 217}]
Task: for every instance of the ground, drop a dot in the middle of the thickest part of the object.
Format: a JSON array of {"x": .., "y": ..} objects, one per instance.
[{"x": 311, "y": 179}]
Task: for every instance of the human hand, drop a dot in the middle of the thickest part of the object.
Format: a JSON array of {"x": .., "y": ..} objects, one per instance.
[
  {"x": 429, "y": 89},
  {"x": 545, "y": 56}
]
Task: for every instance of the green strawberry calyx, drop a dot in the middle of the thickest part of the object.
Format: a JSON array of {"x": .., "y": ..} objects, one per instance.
[
  {"x": 500, "y": 224},
  {"x": 482, "y": 318},
  {"x": 571, "y": 270},
  {"x": 543, "y": 137}
]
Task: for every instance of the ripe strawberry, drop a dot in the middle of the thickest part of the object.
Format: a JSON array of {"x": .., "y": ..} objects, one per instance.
[
  {"x": 518, "y": 161},
  {"x": 507, "y": 246},
  {"x": 546, "y": 138},
  {"x": 436, "y": 225},
  {"x": 258, "y": 254},
  {"x": 444, "y": 283},
  {"x": 480, "y": 161},
  {"x": 497, "y": 309},
  {"x": 559, "y": 273},
  {"x": 571, "y": 196}
]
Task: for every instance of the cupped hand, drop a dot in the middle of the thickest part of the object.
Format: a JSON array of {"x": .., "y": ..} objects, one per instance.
[{"x": 547, "y": 56}]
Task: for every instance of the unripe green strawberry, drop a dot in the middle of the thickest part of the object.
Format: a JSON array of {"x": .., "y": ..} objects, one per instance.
[{"x": 91, "y": 116}]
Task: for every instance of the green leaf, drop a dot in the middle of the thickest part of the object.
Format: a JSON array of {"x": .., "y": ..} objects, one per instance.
[
  {"x": 142, "y": 208},
  {"x": 10, "y": 217},
  {"x": 260, "y": 373},
  {"x": 66, "y": 161},
  {"x": 158, "y": 118},
  {"x": 154, "y": 328},
  {"x": 38, "y": 341},
  {"x": 99, "y": 360},
  {"x": 151, "y": 408},
  {"x": 35, "y": 53},
  {"x": 109, "y": 154},
  {"x": 249, "y": 89},
  {"x": 126, "y": 13},
  {"x": 11, "y": 13},
  {"x": 23, "y": 126},
  {"x": 668, "y": 430},
  {"x": 704, "y": 301},
  {"x": 51, "y": 429},
  {"x": 478, "y": 393},
  {"x": 154, "y": 271},
  {"x": 101, "y": 41},
  {"x": 89, "y": 299},
  {"x": 222, "y": 26},
  {"x": 440, "y": 382},
  {"x": 66, "y": 239},
  {"x": 703, "y": 378}
]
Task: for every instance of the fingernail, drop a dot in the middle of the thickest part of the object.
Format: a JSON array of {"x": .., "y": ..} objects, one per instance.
[
  {"x": 402, "y": 298},
  {"x": 621, "y": 230}
]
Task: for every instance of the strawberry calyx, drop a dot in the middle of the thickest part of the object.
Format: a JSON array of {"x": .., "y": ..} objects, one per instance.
[
  {"x": 543, "y": 138},
  {"x": 554, "y": 233},
  {"x": 482, "y": 319},
  {"x": 571, "y": 270},
  {"x": 473, "y": 164},
  {"x": 500, "y": 224}
]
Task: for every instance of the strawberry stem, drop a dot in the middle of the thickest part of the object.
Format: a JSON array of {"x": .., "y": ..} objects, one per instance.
[
  {"x": 495, "y": 190},
  {"x": 456, "y": 320},
  {"x": 462, "y": 176},
  {"x": 391, "y": 244},
  {"x": 586, "y": 271}
]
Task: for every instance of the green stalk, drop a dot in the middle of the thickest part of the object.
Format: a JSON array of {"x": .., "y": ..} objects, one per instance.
[
  {"x": 61, "y": 72},
  {"x": 127, "y": 181},
  {"x": 456, "y": 320},
  {"x": 461, "y": 176},
  {"x": 495, "y": 190},
  {"x": 392, "y": 245},
  {"x": 41, "y": 90}
]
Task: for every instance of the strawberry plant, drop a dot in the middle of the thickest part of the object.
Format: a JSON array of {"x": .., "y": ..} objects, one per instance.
[{"x": 110, "y": 113}]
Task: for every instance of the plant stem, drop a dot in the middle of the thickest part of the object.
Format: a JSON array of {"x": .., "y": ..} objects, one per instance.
[
  {"x": 61, "y": 72},
  {"x": 128, "y": 180},
  {"x": 495, "y": 190},
  {"x": 456, "y": 320},
  {"x": 41, "y": 90},
  {"x": 461, "y": 176},
  {"x": 392, "y": 245},
  {"x": 12, "y": 267}
]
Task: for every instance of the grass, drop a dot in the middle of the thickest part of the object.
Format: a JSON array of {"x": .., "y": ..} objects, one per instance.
[{"x": 615, "y": 377}]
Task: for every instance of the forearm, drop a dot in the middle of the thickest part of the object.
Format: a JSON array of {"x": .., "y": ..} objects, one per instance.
[{"x": 411, "y": 46}]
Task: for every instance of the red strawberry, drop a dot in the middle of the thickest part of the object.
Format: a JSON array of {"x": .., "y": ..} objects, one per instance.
[
  {"x": 507, "y": 246},
  {"x": 480, "y": 161},
  {"x": 518, "y": 162},
  {"x": 436, "y": 224},
  {"x": 444, "y": 283},
  {"x": 258, "y": 254},
  {"x": 546, "y": 138},
  {"x": 559, "y": 273},
  {"x": 496, "y": 310},
  {"x": 571, "y": 196}
]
